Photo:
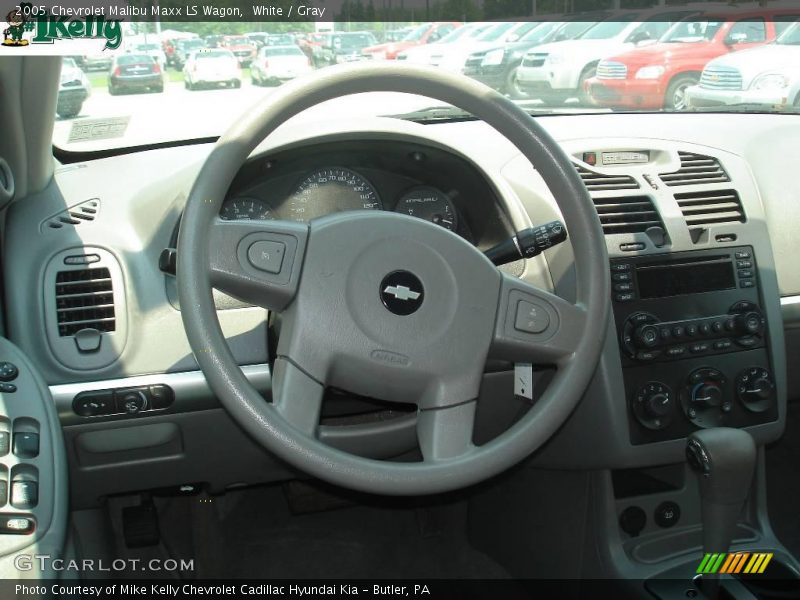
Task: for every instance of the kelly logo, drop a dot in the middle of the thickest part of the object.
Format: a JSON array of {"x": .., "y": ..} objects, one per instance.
[
  {"x": 47, "y": 28},
  {"x": 735, "y": 562}
]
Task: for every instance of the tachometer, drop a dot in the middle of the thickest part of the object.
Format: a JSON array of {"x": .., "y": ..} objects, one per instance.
[
  {"x": 329, "y": 190},
  {"x": 244, "y": 208},
  {"x": 430, "y": 204}
]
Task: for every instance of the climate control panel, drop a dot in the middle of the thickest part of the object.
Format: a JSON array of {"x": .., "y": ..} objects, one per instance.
[{"x": 693, "y": 343}]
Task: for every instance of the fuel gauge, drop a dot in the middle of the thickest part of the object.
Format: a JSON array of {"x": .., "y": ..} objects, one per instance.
[{"x": 429, "y": 203}]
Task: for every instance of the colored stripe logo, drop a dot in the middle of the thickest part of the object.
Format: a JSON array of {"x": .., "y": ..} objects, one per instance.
[{"x": 735, "y": 562}]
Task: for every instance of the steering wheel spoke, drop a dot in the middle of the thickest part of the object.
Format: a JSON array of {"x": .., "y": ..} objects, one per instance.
[
  {"x": 257, "y": 261},
  {"x": 446, "y": 433},
  {"x": 535, "y": 326},
  {"x": 296, "y": 396}
]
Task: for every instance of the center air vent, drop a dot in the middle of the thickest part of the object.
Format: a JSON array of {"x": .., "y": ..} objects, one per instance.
[
  {"x": 84, "y": 300},
  {"x": 695, "y": 168},
  {"x": 598, "y": 182},
  {"x": 627, "y": 214},
  {"x": 711, "y": 207}
]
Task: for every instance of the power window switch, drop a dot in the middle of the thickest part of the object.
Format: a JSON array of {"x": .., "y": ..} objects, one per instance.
[
  {"x": 3, "y": 492},
  {"x": 26, "y": 444},
  {"x": 5, "y": 439},
  {"x": 24, "y": 494}
]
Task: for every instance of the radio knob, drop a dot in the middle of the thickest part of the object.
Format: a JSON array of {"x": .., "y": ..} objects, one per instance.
[
  {"x": 647, "y": 336},
  {"x": 748, "y": 323}
]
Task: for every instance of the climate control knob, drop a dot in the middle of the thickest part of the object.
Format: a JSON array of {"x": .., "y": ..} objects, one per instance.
[
  {"x": 703, "y": 399},
  {"x": 755, "y": 388},
  {"x": 653, "y": 405}
]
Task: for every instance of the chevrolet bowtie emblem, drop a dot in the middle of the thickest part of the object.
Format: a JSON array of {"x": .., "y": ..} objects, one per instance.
[{"x": 401, "y": 292}]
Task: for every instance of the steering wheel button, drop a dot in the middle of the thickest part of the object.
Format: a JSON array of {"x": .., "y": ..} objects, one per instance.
[
  {"x": 531, "y": 318},
  {"x": 267, "y": 256},
  {"x": 8, "y": 371}
]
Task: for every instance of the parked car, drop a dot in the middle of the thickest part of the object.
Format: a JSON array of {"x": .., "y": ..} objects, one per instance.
[
  {"x": 276, "y": 64},
  {"x": 97, "y": 62},
  {"x": 212, "y": 68},
  {"x": 455, "y": 57},
  {"x": 310, "y": 43},
  {"x": 135, "y": 72},
  {"x": 259, "y": 38},
  {"x": 280, "y": 39},
  {"x": 496, "y": 66},
  {"x": 242, "y": 48},
  {"x": 461, "y": 35},
  {"x": 73, "y": 90},
  {"x": 151, "y": 49},
  {"x": 213, "y": 41},
  {"x": 767, "y": 77},
  {"x": 559, "y": 70},
  {"x": 395, "y": 35},
  {"x": 184, "y": 48},
  {"x": 658, "y": 76},
  {"x": 343, "y": 48},
  {"x": 424, "y": 34}
]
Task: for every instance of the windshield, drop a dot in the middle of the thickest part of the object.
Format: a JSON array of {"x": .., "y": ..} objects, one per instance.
[
  {"x": 693, "y": 31},
  {"x": 607, "y": 29},
  {"x": 146, "y": 95},
  {"x": 790, "y": 37},
  {"x": 416, "y": 34}
]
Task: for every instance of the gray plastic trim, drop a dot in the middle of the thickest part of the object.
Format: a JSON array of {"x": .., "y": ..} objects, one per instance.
[{"x": 191, "y": 389}]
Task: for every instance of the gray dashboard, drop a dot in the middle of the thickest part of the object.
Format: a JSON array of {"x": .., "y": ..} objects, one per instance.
[{"x": 138, "y": 199}]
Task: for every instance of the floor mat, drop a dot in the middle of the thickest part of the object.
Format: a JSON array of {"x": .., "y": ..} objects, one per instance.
[
  {"x": 783, "y": 483},
  {"x": 252, "y": 533}
]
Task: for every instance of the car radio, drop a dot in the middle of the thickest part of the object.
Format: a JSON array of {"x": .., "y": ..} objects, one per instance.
[{"x": 692, "y": 340}]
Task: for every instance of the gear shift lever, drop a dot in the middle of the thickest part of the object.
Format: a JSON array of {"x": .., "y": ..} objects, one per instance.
[{"x": 724, "y": 460}]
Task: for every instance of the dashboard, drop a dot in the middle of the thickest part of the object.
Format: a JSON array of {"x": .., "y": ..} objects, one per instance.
[{"x": 468, "y": 179}]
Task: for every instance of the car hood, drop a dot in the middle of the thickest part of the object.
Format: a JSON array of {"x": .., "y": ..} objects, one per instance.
[
  {"x": 390, "y": 47},
  {"x": 658, "y": 54},
  {"x": 772, "y": 57},
  {"x": 584, "y": 48}
]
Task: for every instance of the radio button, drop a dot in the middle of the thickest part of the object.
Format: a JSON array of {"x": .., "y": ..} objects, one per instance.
[
  {"x": 678, "y": 331},
  {"x": 648, "y": 355},
  {"x": 623, "y": 287},
  {"x": 698, "y": 348},
  {"x": 747, "y": 342},
  {"x": 676, "y": 351},
  {"x": 744, "y": 264},
  {"x": 617, "y": 267},
  {"x": 705, "y": 328},
  {"x": 742, "y": 254},
  {"x": 746, "y": 283},
  {"x": 716, "y": 326},
  {"x": 691, "y": 330},
  {"x": 621, "y": 277},
  {"x": 665, "y": 333},
  {"x": 745, "y": 273},
  {"x": 626, "y": 297},
  {"x": 722, "y": 345}
]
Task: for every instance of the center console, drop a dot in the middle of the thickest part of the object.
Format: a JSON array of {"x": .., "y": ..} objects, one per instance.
[{"x": 693, "y": 342}]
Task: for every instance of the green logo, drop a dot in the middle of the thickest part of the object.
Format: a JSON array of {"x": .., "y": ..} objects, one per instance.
[{"x": 48, "y": 28}]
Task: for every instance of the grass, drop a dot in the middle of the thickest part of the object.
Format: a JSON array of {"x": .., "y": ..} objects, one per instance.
[{"x": 100, "y": 79}]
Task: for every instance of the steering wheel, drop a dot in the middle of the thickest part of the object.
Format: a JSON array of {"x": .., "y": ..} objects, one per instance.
[{"x": 386, "y": 305}]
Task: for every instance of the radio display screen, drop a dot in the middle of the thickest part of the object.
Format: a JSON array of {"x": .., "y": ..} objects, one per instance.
[{"x": 658, "y": 281}]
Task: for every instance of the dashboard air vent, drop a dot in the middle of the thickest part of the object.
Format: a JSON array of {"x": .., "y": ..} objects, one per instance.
[
  {"x": 84, "y": 300},
  {"x": 598, "y": 182},
  {"x": 695, "y": 168},
  {"x": 627, "y": 214},
  {"x": 75, "y": 215},
  {"x": 711, "y": 207}
]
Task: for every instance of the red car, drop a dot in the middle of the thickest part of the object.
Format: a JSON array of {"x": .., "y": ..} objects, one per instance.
[
  {"x": 424, "y": 34},
  {"x": 656, "y": 76},
  {"x": 242, "y": 47}
]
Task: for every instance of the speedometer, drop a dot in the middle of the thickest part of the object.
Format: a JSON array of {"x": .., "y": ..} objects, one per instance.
[
  {"x": 244, "y": 208},
  {"x": 330, "y": 190}
]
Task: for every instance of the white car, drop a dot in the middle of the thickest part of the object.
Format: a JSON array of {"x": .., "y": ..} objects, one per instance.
[
  {"x": 766, "y": 77},
  {"x": 276, "y": 64},
  {"x": 421, "y": 55},
  {"x": 213, "y": 67},
  {"x": 557, "y": 71},
  {"x": 151, "y": 49},
  {"x": 455, "y": 57}
]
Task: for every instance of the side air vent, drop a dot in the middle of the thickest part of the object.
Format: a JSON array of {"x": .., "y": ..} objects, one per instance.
[
  {"x": 711, "y": 207},
  {"x": 597, "y": 182},
  {"x": 627, "y": 214},
  {"x": 75, "y": 215},
  {"x": 695, "y": 168},
  {"x": 84, "y": 300}
]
